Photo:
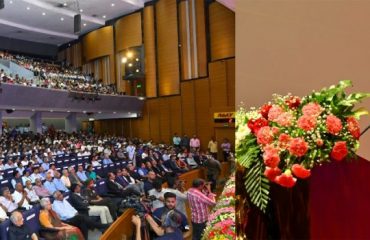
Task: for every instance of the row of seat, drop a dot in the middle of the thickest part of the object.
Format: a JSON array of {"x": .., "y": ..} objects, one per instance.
[{"x": 31, "y": 217}]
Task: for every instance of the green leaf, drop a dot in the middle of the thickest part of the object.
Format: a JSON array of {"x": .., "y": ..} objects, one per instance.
[
  {"x": 359, "y": 112},
  {"x": 257, "y": 186}
]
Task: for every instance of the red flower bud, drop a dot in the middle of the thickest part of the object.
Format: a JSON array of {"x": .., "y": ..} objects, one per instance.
[{"x": 300, "y": 172}]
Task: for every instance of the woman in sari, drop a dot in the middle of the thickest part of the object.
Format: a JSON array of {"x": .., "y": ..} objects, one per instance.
[{"x": 56, "y": 229}]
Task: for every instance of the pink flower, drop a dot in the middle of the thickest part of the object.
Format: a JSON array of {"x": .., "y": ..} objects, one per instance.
[
  {"x": 285, "y": 119},
  {"x": 353, "y": 127},
  {"x": 275, "y": 112},
  {"x": 307, "y": 122},
  {"x": 298, "y": 147},
  {"x": 333, "y": 124},
  {"x": 264, "y": 135},
  {"x": 284, "y": 140},
  {"x": 286, "y": 180},
  {"x": 339, "y": 151},
  {"x": 312, "y": 109},
  {"x": 275, "y": 130},
  {"x": 271, "y": 156}
]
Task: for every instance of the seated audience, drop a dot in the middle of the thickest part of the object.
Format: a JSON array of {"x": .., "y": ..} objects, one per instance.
[
  {"x": 49, "y": 219},
  {"x": 6, "y": 201},
  {"x": 18, "y": 230},
  {"x": 20, "y": 197}
]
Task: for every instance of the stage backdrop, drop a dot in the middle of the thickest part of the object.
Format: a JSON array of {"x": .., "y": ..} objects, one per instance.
[{"x": 297, "y": 46}]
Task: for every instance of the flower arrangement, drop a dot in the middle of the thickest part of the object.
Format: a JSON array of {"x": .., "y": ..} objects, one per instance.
[
  {"x": 221, "y": 222},
  {"x": 283, "y": 140}
]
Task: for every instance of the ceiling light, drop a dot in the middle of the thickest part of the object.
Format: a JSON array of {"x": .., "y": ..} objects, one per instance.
[
  {"x": 51, "y": 110},
  {"x": 137, "y": 59},
  {"x": 68, "y": 111},
  {"x": 114, "y": 112},
  {"x": 61, "y": 19},
  {"x": 99, "y": 112},
  {"x": 130, "y": 64},
  {"x": 112, "y": 4},
  {"x": 81, "y": 10},
  {"x": 65, "y": 4},
  {"x": 104, "y": 16},
  {"x": 124, "y": 60},
  {"x": 43, "y": 14},
  {"x": 84, "y": 24},
  {"x": 129, "y": 54},
  {"x": 141, "y": 98},
  {"x": 33, "y": 110},
  {"x": 11, "y": 2},
  {"x": 137, "y": 70},
  {"x": 91, "y": 119},
  {"x": 28, "y": 8},
  {"x": 84, "y": 111}
]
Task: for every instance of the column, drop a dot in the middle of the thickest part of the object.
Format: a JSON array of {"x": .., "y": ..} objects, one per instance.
[
  {"x": 36, "y": 123},
  {"x": 71, "y": 123}
]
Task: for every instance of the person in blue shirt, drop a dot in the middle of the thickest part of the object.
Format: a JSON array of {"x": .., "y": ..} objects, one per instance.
[
  {"x": 107, "y": 160},
  {"x": 49, "y": 184},
  {"x": 70, "y": 215},
  {"x": 59, "y": 183},
  {"x": 81, "y": 174},
  {"x": 45, "y": 165}
]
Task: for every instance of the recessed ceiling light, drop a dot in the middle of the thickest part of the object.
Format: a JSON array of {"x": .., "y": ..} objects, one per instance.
[
  {"x": 61, "y": 19},
  {"x": 130, "y": 64},
  {"x": 137, "y": 70},
  {"x": 124, "y": 60},
  {"x": 51, "y": 110},
  {"x": 65, "y": 4},
  {"x": 33, "y": 110},
  {"x": 68, "y": 111},
  {"x": 114, "y": 112},
  {"x": 137, "y": 59},
  {"x": 112, "y": 4},
  {"x": 104, "y": 16},
  {"x": 84, "y": 24},
  {"x": 13, "y": 109},
  {"x": 43, "y": 14},
  {"x": 129, "y": 54},
  {"x": 99, "y": 112},
  {"x": 81, "y": 10},
  {"x": 11, "y": 2},
  {"x": 28, "y": 8},
  {"x": 84, "y": 111}
]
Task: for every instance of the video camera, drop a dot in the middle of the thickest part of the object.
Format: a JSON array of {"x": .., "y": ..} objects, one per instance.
[{"x": 140, "y": 206}]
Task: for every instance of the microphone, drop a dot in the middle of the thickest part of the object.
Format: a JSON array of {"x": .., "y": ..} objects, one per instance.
[{"x": 365, "y": 130}]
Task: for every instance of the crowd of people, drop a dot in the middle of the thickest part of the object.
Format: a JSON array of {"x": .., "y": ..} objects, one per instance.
[
  {"x": 67, "y": 197},
  {"x": 51, "y": 75}
]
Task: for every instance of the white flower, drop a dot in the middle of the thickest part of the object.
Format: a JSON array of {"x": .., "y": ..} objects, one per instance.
[{"x": 242, "y": 132}]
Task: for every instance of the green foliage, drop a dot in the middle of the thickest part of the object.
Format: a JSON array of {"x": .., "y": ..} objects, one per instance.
[{"x": 257, "y": 186}]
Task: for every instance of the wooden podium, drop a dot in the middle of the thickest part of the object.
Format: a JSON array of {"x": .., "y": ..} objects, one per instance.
[{"x": 332, "y": 204}]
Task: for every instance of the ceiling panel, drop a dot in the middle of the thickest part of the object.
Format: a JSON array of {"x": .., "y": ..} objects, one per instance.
[{"x": 51, "y": 21}]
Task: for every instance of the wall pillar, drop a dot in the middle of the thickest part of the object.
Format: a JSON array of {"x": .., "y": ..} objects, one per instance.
[
  {"x": 71, "y": 123},
  {"x": 36, "y": 123}
]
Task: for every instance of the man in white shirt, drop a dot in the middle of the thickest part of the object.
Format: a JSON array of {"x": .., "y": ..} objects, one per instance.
[
  {"x": 130, "y": 149},
  {"x": 20, "y": 197},
  {"x": 3, "y": 215},
  {"x": 157, "y": 192},
  {"x": 31, "y": 193},
  {"x": 6, "y": 201}
]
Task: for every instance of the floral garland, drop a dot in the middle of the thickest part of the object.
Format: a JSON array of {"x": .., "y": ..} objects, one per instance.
[
  {"x": 221, "y": 222},
  {"x": 281, "y": 141}
]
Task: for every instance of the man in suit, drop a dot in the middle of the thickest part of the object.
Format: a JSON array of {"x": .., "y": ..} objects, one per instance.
[
  {"x": 82, "y": 205},
  {"x": 116, "y": 189}
]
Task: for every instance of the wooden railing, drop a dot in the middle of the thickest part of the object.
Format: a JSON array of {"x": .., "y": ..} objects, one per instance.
[{"x": 123, "y": 228}]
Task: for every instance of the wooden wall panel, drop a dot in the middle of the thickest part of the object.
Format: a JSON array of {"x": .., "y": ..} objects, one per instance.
[
  {"x": 218, "y": 83},
  {"x": 150, "y": 54},
  {"x": 222, "y": 31},
  {"x": 185, "y": 46},
  {"x": 154, "y": 126},
  {"x": 201, "y": 38},
  {"x": 164, "y": 119},
  {"x": 167, "y": 47},
  {"x": 98, "y": 43},
  {"x": 188, "y": 108},
  {"x": 175, "y": 115},
  {"x": 202, "y": 111},
  {"x": 230, "y": 71},
  {"x": 128, "y": 32}
]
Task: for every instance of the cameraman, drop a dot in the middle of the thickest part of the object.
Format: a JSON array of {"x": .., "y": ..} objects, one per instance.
[
  {"x": 160, "y": 214},
  {"x": 170, "y": 227},
  {"x": 200, "y": 199}
]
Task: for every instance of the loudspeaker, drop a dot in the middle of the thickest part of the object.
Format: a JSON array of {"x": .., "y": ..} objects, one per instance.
[
  {"x": 77, "y": 23},
  {"x": 1, "y": 4}
]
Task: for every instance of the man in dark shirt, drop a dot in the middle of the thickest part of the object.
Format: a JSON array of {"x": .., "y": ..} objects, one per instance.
[
  {"x": 94, "y": 199},
  {"x": 148, "y": 184},
  {"x": 18, "y": 230}
]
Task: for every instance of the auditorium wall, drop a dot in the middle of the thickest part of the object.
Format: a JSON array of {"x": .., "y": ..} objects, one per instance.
[
  {"x": 297, "y": 46},
  {"x": 190, "y": 69}
]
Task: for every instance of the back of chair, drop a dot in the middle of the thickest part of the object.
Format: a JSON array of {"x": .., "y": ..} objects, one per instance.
[{"x": 4, "y": 227}]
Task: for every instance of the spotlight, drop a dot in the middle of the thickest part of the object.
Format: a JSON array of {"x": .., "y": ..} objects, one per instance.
[{"x": 129, "y": 54}]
